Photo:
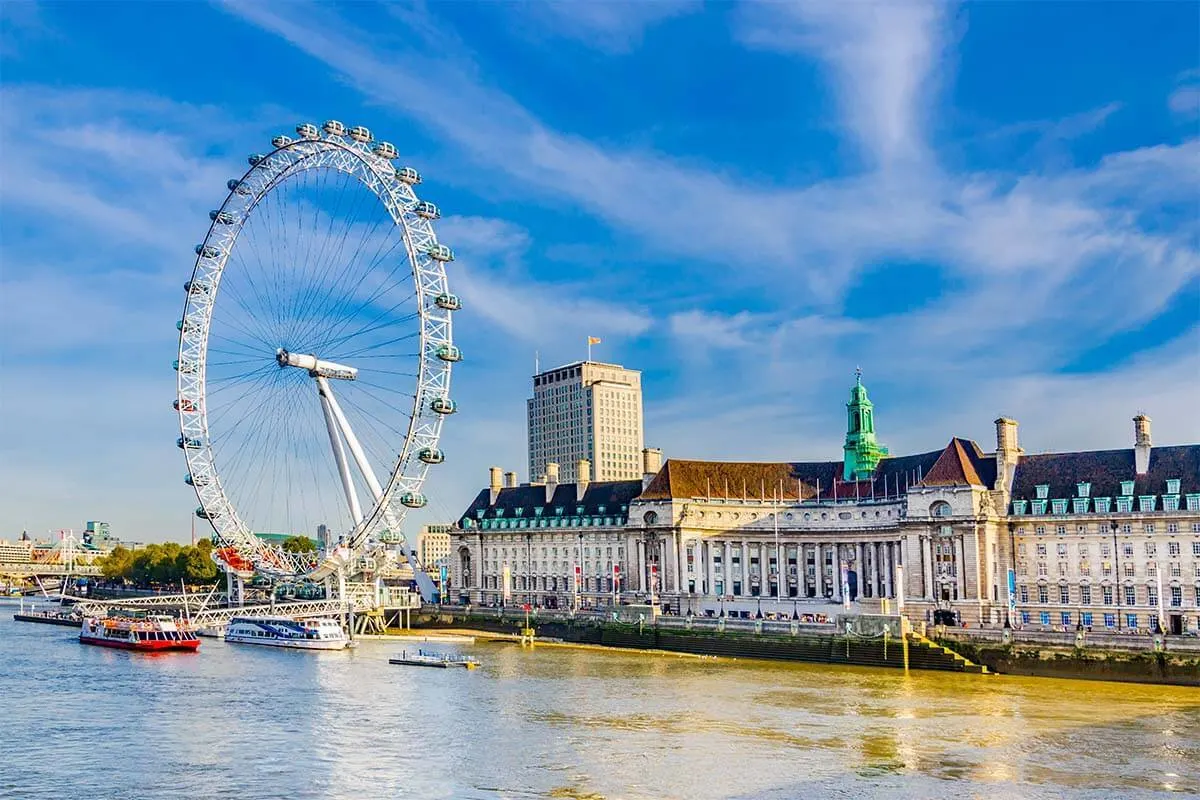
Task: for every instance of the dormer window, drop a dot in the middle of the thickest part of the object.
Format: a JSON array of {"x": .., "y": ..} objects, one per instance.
[
  {"x": 1059, "y": 505},
  {"x": 558, "y": 511},
  {"x": 601, "y": 509},
  {"x": 1103, "y": 504},
  {"x": 1193, "y": 502},
  {"x": 1079, "y": 505},
  {"x": 578, "y": 509},
  {"x": 1170, "y": 502},
  {"x": 479, "y": 512},
  {"x": 1173, "y": 486},
  {"x": 1127, "y": 488},
  {"x": 1124, "y": 504},
  {"x": 537, "y": 512},
  {"x": 1043, "y": 491},
  {"x": 1020, "y": 506},
  {"x": 518, "y": 511},
  {"x": 1146, "y": 502},
  {"x": 499, "y": 512},
  {"x": 1083, "y": 489},
  {"x": 1039, "y": 506}
]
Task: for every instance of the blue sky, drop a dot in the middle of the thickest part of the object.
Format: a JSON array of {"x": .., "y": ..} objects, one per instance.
[{"x": 990, "y": 207}]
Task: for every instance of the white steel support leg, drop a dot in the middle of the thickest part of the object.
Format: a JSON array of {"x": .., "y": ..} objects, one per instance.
[
  {"x": 339, "y": 452},
  {"x": 360, "y": 458}
]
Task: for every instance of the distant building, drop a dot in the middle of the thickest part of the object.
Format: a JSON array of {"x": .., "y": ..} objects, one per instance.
[
  {"x": 586, "y": 410},
  {"x": 1105, "y": 539},
  {"x": 19, "y": 552},
  {"x": 434, "y": 546}
]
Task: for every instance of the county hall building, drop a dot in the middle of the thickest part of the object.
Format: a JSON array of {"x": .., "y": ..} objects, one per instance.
[{"x": 1103, "y": 539}]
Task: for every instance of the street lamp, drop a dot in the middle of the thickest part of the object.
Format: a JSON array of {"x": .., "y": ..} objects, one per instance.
[{"x": 1116, "y": 572}]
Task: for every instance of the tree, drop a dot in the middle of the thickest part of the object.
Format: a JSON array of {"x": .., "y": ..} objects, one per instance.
[
  {"x": 117, "y": 565},
  {"x": 194, "y": 566},
  {"x": 299, "y": 544}
]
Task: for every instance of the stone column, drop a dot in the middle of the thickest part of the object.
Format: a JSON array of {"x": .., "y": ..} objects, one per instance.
[
  {"x": 960, "y": 567},
  {"x": 680, "y": 565},
  {"x": 745, "y": 568},
  {"x": 889, "y": 569},
  {"x": 927, "y": 567},
  {"x": 837, "y": 573}
]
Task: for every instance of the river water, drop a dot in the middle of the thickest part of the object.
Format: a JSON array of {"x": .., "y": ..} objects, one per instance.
[{"x": 251, "y": 722}]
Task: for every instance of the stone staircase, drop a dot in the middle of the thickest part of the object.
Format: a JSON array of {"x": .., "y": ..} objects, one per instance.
[{"x": 926, "y": 654}]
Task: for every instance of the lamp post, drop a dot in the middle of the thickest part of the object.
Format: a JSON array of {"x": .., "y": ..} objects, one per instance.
[{"x": 1116, "y": 571}]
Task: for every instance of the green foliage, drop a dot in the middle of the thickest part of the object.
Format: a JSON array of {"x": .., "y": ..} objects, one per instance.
[
  {"x": 299, "y": 544},
  {"x": 159, "y": 564},
  {"x": 118, "y": 564}
]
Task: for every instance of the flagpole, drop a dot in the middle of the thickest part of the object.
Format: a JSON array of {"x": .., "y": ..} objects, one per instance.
[{"x": 589, "y": 341}]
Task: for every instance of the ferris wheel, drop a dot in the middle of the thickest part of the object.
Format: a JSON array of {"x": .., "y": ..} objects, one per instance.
[{"x": 315, "y": 353}]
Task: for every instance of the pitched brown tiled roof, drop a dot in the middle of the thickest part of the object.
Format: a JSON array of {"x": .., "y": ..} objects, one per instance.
[
  {"x": 956, "y": 466},
  {"x": 1105, "y": 469},
  {"x": 789, "y": 480}
]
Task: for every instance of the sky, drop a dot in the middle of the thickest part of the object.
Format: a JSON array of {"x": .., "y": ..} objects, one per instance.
[{"x": 991, "y": 208}]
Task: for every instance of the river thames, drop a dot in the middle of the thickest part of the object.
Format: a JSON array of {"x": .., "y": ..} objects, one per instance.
[{"x": 243, "y": 721}]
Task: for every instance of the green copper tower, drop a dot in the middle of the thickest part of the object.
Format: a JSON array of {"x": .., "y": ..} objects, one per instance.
[{"x": 862, "y": 452}]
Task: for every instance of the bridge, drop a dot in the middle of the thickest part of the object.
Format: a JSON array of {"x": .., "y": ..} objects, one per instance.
[{"x": 32, "y": 569}]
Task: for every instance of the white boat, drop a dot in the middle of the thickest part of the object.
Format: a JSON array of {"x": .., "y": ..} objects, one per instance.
[{"x": 302, "y": 634}]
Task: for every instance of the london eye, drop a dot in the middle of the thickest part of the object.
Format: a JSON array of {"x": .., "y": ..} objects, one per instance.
[{"x": 315, "y": 353}]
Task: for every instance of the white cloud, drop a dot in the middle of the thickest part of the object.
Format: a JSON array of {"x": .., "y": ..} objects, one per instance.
[
  {"x": 882, "y": 54},
  {"x": 613, "y": 27}
]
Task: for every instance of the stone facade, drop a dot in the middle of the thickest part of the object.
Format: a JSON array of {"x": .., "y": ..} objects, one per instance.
[{"x": 1107, "y": 539}]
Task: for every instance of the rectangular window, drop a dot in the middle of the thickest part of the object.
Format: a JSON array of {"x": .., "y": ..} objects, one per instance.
[
  {"x": 1130, "y": 596},
  {"x": 1021, "y": 549},
  {"x": 1064, "y": 595},
  {"x": 1060, "y": 530},
  {"x": 1041, "y": 548},
  {"x": 1152, "y": 595},
  {"x": 1173, "y": 548},
  {"x": 1045, "y": 617},
  {"x": 1024, "y": 617},
  {"x": 1065, "y": 618},
  {"x": 1151, "y": 548},
  {"x": 1040, "y": 530},
  {"x": 1083, "y": 550},
  {"x": 1024, "y": 592},
  {"x": 1196, "y": 549},
  {"x": 1127, "y": 549},
  {"x": 1176, "y": 596},
  {"x": 1131, "y": 621},
  {"x": 1062, "y": 548},
  {"x": 1110, "y": 620},
  {"x": 1043, "y": 595},
  {"x": 1087, "y": 619},
  {"x": 1148, "y": 527},
  {"x": 1085, "y": 595}
]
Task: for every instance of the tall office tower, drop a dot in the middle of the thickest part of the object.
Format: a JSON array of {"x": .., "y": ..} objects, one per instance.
[{"x": 586, "y": 410}]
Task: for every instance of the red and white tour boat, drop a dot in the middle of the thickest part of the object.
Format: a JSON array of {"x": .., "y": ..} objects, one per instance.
[{"x": 152, "y": 634}]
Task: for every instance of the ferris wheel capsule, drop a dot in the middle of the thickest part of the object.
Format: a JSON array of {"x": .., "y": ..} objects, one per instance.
[
  {"x": 360, "y": 134},
  {"x": 427, "y": 210},
  {"x": 385, "y": 150},
  {"x": 414, "y": 499},
  {"x": 449, "y": 352},
  {"x": 221, "y": 217},
  {"x": 439, "y": 252},
  {"x": 281, "y": 141},
  {"x": 207, "y": 251},
  {"x": 443, "y": 405},
  {"x": 237, "y": 187},
  {"x": 450, "y": 302},
  {"x": 431, "y": 455},
  {"x": 254, "y": 158},
  {"x": 334, "y": 128},
  {"x": 308, "y": 131},
  {"x": 408, "y": 175}
]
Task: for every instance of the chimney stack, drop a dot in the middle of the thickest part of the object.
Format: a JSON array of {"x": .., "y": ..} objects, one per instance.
[
  {"x": 1141, "y": 443},
  {"x": 583, "y": 472},
  {"x": 510, "y": 480},
  {"x": 494, "y": 484},
  {"x": 551, "y": 479},
  {"x": 1008, "y": 453},
  {"x": 651, "y": 464}
]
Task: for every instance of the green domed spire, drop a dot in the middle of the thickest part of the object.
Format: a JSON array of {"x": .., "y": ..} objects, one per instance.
[{"x": 862, "y": 452}]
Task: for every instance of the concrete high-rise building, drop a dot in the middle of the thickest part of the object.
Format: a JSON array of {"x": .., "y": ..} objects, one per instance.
[
  {"x": 434, "y": 546},
  {"x": 586, "y": 411}
]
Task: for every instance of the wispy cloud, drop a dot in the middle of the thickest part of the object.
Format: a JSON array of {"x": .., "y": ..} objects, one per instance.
[
  {"x": 613, "y": 27},
  {"x": 882, "y": 55}
]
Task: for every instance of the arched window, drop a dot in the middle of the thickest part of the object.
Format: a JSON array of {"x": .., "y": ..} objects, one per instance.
[
  {"x": 939, "y": 509},
  {"x": 650, "y": 518}
]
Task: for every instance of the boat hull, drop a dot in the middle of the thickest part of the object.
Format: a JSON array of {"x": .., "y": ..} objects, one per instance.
[
  {"x": 187, "y": 645},
  {"x": 293, "y": 644}
]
